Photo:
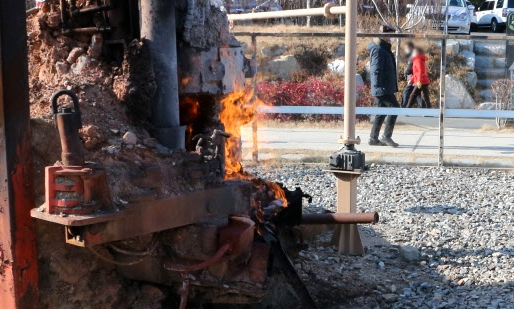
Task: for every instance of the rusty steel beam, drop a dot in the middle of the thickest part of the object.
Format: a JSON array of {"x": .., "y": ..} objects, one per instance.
[
  {"x": 151, "y": 216},
  {"x": 18, "y": 254},
  {"x": 341, "y": 218}
]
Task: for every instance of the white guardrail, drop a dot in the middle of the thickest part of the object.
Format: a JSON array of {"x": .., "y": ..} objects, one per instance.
[{"x": 432, "y": 112}]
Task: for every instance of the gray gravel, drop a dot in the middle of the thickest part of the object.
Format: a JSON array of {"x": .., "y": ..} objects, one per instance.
[{"x": 460, "y": 220}]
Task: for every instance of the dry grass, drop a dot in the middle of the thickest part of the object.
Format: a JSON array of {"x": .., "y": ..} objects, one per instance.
[{"x": 493, "y": 129}]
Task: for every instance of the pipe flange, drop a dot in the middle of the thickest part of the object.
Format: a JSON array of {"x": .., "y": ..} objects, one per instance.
[{"x": 327, "y": 7}]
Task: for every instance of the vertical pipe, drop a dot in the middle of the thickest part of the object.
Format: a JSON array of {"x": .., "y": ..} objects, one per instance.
[
  {"x": 350, "y": 94},
  {"x": 340, "y": 15},
  {"x": 308, "y": 17},
  {"x": 442, "y": 86},
  {"x": 255, "y": 124},
  {"x": 158, "y": 27},
  {"x": 18, "y": 252}
]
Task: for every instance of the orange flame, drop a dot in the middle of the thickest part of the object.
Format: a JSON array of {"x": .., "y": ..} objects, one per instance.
[
  {"x": 278, "y": 192},
  {"x": 234, "y": 114},
  {"x": 238, "y": 109}
]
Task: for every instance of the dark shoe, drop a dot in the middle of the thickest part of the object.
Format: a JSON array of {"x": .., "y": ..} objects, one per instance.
[
  {"x": 389, "y": 142},
  {"x": 375, "y": 142}
]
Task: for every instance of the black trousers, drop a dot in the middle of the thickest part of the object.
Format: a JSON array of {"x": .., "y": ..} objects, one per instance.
[
  {"x": 425, "y": 96},
  {"x": 384, "y": 101},
  {"x": 406, "y": 95}
]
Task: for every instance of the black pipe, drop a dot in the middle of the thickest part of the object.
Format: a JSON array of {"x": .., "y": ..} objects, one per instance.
[
  {"x": 62, "y": 5},
  {"x": 88, "y": 30},
  {"x": 96, "y": 9},
  {"x": 159, "y": 28}
]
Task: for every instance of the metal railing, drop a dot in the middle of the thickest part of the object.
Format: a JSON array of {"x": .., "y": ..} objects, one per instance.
[{"x": 442, "y": 112}]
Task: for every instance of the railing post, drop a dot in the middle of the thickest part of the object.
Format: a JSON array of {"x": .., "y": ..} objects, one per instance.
[
  {"x": 255, "y": 124},
  {"x": 442, "y": 83},
  {"x": 308, "y": 17}
]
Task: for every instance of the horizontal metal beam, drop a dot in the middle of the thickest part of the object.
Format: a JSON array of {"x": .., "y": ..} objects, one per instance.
[
  {"x": 157, "y": 215},
  {"x": 374, "y": 35},
  {"x": 415, "y": 112},
  {"x": 334, "y": 10}
]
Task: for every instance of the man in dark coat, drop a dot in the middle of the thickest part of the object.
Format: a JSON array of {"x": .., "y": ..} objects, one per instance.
[{"x": 384, "y": 86}]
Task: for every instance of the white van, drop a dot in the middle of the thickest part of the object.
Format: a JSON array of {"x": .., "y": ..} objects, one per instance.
[{"x": 493, "y": 13}]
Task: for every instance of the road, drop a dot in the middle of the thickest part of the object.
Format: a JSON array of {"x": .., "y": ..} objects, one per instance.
[
  {"x": 464, "y": 141},
  {"x": 454, "y": 123}
]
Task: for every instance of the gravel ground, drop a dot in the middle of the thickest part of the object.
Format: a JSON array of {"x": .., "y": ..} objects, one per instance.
[{"x": 445, "y": 238}]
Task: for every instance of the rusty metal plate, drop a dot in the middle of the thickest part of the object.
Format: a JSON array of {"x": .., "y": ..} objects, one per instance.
[{"x": 233, "y": 61}]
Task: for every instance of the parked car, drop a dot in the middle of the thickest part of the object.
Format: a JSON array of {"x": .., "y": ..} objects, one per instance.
[
  {"x": 459, "y": 17},
  {"x": 473, "y": 13},
  {"x": 493, "y": 13}
]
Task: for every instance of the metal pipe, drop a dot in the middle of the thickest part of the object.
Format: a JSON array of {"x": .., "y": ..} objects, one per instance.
[
  {"x": 184, "y": 293},
  {"x": 255, "y": 124},
  {"x": 335, "y": 10},
  {"x": 442, "y": 105},
  {"x": 62, "y": 6},
  {"x": 341, "y": 218},
  {"x": 350, "y": 96},
  {"x": 428, "y": 36},
  {"x": 96, "y": 9},
  {"x": 87, "y": 30},
  {"x": 159, "y": 28},
  {"x": 202, "y": 265}
]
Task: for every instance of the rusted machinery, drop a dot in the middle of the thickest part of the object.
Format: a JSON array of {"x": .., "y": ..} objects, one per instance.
[{"x": 217, "y": 238}]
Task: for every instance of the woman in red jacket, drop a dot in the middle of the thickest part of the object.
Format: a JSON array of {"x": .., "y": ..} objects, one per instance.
[{"x": 419, "y": 78}]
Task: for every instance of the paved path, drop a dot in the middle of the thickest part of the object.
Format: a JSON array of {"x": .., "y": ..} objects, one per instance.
[{"x": 422, "y": 142}]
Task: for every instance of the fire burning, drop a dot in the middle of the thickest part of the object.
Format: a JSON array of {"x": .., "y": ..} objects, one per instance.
[
  {"x": 234, "y": 114},
  {"x": 238, "y": 109}
]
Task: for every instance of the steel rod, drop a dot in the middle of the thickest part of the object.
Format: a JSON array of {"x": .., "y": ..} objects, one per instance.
[
  {"x": 350, "y": 96},
  {"x": 88, "y": 30},
  {"x": 442, "y": 89},
  {"x": 255, "y": 124},
  {"x": 336, "y": 10},
  {"x": 340, "y": 218},
  {"x": 374, "y": 35}
]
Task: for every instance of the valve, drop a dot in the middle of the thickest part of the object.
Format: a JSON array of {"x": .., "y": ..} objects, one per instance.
[
  {"x": 75, "y": 187},
  {"x": 68, "y": 122}
]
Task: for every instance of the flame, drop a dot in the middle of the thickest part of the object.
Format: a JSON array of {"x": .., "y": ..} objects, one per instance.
[
  {"x": 238, "y": 109},
  {"x": 236, "y": 112},
  {"x": 186, "y": 80},
  {"x": 278, "y": 192},
  {"x": 189, "y": 109},
  {"x": 189, "y": 114}
]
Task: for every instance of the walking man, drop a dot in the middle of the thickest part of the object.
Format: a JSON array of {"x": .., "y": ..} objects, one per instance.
[{"x": 384, "y": 86}]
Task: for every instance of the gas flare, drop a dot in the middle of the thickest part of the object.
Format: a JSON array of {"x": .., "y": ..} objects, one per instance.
[{"x": 238, "y": 109}]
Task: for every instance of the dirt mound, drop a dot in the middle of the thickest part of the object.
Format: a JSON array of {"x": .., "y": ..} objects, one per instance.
[{"x": 114, "y": 98}]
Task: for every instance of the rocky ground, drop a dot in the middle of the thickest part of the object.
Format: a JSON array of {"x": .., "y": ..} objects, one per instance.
[{"x": 445, "y": 239}]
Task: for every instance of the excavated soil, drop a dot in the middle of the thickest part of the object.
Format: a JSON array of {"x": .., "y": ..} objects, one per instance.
[{"x": 114, "y": 98}]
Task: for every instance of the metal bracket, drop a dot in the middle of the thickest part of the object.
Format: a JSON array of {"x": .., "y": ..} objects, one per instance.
[{"x": 347, "y": 236}]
